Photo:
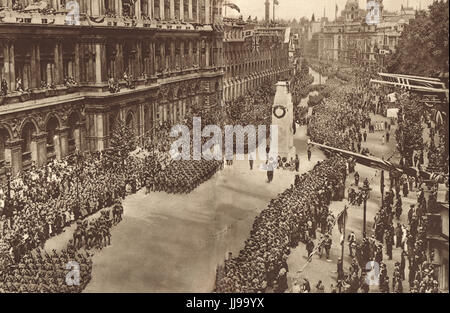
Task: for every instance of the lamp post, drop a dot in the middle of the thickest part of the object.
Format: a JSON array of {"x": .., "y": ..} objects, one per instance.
[
  {"x": 8, "y": 181},
  {"x": 365, "y": 189},
  {"x": 77, "y": 171},
  {"x": 8, "y": 209}
]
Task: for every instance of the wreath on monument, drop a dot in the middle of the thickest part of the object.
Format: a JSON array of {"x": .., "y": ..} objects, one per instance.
[{"x": 277, "y": 113}]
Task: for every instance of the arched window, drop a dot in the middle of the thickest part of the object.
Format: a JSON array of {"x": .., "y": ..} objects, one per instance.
[
  {"x": 28, "y": 132},
  {"x": 51, "y": 127}
]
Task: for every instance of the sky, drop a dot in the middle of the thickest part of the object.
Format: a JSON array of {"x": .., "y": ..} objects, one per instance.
[{"x": 289, "y": 9}]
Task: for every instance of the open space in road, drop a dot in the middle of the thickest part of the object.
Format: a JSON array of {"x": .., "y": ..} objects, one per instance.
[{"x": 174, "y": 243}]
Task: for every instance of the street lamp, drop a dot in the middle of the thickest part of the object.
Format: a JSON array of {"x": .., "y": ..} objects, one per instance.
[
  {"x": 365, "y": 189},
  {"x": 78, "y": 174},
  {"x": 8, "y": 208},
  {"x": 8, "y": 180}
]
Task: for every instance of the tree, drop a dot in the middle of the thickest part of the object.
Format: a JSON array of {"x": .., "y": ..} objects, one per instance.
[
  {"x": 409, "y": 133},
  {"x": 122, "y": 141},
  {"x": 423, "y": 45}
]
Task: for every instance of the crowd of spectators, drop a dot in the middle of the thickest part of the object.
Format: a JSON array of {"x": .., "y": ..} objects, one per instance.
[{"x": 292, "y": 216}]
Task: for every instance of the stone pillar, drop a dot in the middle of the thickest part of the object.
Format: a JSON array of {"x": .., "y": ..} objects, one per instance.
[
  {"x": 13, "y": 155},
  {"x": 172, "y": 9},
  {"x": 189, "y": 61},
  {"x": 190, "y": 16},
  {"x": 182, "y": 56},
  {"x": 39, "y": 149},
  {"x": 162, "y": 52},
  {"x": 49, "y": 73},
  {"x": 181, "y": 10},
  {"x": 207, "y": 12},
  {"x": 198, "y": 11},
  {"x": 59, "y": 70},
  {"x": 76, "y": 65},
  {"x": 63, "y": 142},
  {"x": 81, "y": 136},
  {"x": 8, "y": 66},
  {"x": 101, "y": 119},
  {"x": 141, "y": 122},
  {"x": 162, "y": 10},
  {"x": 150, "y": 9},
  {"x": 100, "y": 63},
  {"x": 35, "y": 66},
  {"x": 95, "y": 7},
  {"x": 173, "y": 62},
  {"x": 199, "y": 53},
  {"x": 207, "y": 54},
  {"x": 119, "y": 7},
  {"x": 137, "y": 9},
  {"x": 152, "y": 58}
]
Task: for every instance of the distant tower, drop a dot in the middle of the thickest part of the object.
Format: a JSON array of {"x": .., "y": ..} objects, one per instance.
[{"x": 267, "y": 11}]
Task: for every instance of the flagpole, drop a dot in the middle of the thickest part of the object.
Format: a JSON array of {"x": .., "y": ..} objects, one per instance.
[{"x": 343, "y": 235}]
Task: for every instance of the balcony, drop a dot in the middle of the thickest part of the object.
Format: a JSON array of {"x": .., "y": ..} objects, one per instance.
[
  {"x": 34, "y": 17},
  {"x": 35, "y": 94}
]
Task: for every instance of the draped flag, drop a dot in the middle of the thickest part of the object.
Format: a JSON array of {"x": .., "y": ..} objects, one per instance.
[
  {"x": 342, "y": 220},
  {"x": 233, "y": 6},
  {"x": 97, "y": 20}
]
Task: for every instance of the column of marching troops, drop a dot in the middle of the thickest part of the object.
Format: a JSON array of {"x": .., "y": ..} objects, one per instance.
[{"x": 42, "y": 202}]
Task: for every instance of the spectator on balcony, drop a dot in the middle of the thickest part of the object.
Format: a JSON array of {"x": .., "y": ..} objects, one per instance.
[{"x": 4, "y": 87}]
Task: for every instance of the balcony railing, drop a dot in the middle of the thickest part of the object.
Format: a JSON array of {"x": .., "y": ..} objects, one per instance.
[{"x": 61, "y": 18}]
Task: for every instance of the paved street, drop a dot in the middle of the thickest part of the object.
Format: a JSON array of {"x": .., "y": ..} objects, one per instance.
[
  {"x": 174, "y": 243},
  {"x": 326, "y": 270}
]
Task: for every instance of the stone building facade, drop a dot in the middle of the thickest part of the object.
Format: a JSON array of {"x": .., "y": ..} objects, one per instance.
[
  {"x": 56, "y": 76},
  {"x": 351, "y": 39},
  {"x": 253, "y": 54}
]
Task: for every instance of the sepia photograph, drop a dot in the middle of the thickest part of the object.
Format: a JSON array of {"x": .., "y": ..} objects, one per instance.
[{"x": 224, "y": 147}]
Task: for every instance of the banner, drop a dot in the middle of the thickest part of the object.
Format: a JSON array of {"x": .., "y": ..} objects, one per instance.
[
  {"x": 97, "y": 19},
  {"x": 342, "y": 220}
]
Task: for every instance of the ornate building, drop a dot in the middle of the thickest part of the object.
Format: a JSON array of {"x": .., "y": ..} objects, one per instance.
[
  {"x": 165, "y": 55},
  {"x": 351, "y": 39},
  {"x": 253, "y": 54}
]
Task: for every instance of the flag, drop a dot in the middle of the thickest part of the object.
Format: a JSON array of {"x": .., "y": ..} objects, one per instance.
[
  {"x": 342, "y": 220},
  {"x": 233, "y": 6},
  {"x": 275, "y": 2}
]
